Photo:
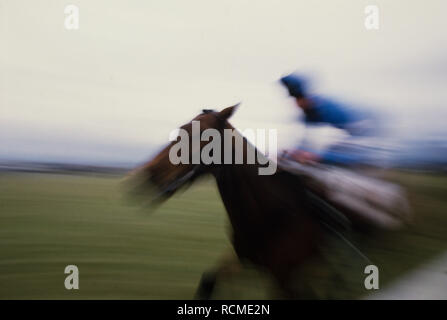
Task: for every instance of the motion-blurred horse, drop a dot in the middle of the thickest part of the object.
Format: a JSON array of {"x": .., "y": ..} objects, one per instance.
[{"x": 276, "y": 225}]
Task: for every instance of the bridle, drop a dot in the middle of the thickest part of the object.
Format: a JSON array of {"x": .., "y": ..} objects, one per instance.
[{"x": 177, "y": 183}]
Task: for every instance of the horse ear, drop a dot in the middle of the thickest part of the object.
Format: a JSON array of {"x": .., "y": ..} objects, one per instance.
[{"x": 228, "y": 112}]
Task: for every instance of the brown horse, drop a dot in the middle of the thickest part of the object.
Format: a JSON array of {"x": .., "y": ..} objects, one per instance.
[{"x": 275, "y": 224}]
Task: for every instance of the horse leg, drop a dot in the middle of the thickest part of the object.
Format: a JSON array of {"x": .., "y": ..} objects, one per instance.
[
  {"x": 206, "y": 285},
  {"x": 228, "y": 266}
]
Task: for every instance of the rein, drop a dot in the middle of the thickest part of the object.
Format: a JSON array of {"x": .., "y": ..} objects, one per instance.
[
  {"x": 340, "y": 219},
  {"x": 180, "y": 181}
]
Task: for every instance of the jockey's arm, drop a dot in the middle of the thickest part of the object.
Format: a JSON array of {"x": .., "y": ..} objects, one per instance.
[{"x": 317, "y": 138}]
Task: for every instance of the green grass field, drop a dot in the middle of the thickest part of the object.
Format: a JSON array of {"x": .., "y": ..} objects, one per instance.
[{"x": 123, "y": 251}]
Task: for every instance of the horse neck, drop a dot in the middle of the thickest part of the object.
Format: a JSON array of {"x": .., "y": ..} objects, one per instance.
[
  {"x": 247, "y": 149},
  {"x": 241, "y": 186}
]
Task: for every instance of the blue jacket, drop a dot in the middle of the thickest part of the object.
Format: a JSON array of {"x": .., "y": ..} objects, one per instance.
[
  {"x": 357, "y": 123},
  {"x": 326, "y": 111}
]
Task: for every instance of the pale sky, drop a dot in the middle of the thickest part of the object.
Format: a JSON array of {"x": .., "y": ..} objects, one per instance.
[{"x": 112, "y": 90}]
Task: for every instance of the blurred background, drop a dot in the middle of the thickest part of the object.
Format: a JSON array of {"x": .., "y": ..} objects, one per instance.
[{"x": 79, "y": 108}]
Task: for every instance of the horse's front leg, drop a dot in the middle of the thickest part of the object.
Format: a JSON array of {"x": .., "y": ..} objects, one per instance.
[
  {"x": 206, "y": 285},
  {"x": 228, "y": 266}
]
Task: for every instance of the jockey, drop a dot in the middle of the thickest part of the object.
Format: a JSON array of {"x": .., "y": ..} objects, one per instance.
[{"x": 318, "y": 110}]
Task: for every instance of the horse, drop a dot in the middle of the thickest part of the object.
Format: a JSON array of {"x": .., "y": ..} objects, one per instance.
[{"x": 275, "y": 224}]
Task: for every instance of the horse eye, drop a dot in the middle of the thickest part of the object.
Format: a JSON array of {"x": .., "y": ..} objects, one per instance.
[{"x": 207, "y": 111}]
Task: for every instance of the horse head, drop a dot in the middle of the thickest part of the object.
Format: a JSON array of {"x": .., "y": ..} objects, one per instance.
[{"x": 162, "y": 175}]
